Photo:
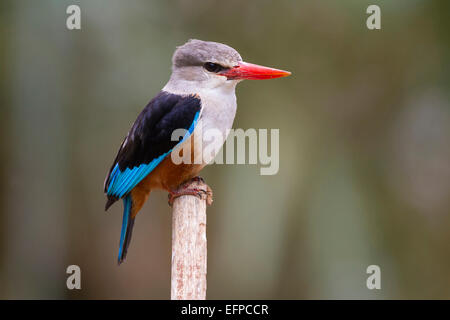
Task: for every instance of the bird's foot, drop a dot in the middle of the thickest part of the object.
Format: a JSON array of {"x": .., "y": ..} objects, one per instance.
[
  {"x": 194, "y": 187},
  {"x": 198, "y": 179}
]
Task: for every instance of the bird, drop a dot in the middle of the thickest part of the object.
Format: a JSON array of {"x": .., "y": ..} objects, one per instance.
[{"x": 199, "y": 95}]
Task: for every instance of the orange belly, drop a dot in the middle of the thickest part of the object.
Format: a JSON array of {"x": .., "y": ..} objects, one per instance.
[{"x": 166, "y": 176}]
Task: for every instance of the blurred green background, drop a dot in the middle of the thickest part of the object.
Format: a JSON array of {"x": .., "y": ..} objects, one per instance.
[{"x": 364, "y": 149}]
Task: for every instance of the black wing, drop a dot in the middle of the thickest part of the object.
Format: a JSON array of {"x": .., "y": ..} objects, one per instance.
[{"x": 149, "y": 140}]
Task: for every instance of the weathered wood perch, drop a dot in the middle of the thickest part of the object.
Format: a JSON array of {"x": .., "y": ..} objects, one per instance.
[{"x": 189, "y": 252}]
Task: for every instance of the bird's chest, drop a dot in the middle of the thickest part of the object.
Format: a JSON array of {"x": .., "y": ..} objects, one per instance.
[
  {"x": 217, "y": 117},
  {"x": 216, "y": 120}
]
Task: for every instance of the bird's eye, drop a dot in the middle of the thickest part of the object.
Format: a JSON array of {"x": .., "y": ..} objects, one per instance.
[{"x": 213, "y": 67}]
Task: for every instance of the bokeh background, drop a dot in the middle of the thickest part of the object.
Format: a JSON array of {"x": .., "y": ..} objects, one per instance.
[{"x": 364, "y": 153}]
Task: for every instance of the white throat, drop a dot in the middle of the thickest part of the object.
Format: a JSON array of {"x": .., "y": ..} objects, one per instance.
[{"x": 218, "y": 105}]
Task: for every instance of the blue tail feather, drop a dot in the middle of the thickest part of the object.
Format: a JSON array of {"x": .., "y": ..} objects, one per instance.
[{"x": 127, "y": 228}]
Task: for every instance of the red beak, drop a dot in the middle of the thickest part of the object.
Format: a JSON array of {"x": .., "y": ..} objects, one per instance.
[{"x": 251, "y": 71}]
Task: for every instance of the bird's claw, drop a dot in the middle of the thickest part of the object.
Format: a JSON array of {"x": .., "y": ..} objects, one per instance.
[
  {"x": 186, "y": 189},
  {"x": 198, "y": 179},
  {"x": 199, "y": 193}
]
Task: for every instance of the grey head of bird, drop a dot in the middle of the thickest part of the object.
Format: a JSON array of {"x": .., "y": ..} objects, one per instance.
[{"x": 208, "y": 65}]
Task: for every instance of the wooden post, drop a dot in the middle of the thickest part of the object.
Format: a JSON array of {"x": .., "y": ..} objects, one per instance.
[{"x": 189, "y": 246}]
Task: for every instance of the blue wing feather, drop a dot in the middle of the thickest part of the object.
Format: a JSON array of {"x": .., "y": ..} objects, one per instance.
[{"x": 122, "y": 182}]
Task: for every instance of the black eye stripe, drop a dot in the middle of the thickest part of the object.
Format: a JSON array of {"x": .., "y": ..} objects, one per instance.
[{"x": 213, "y": 67}]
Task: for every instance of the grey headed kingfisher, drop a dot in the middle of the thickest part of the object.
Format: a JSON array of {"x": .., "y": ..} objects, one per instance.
[{"x": 199, "y": 95}]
